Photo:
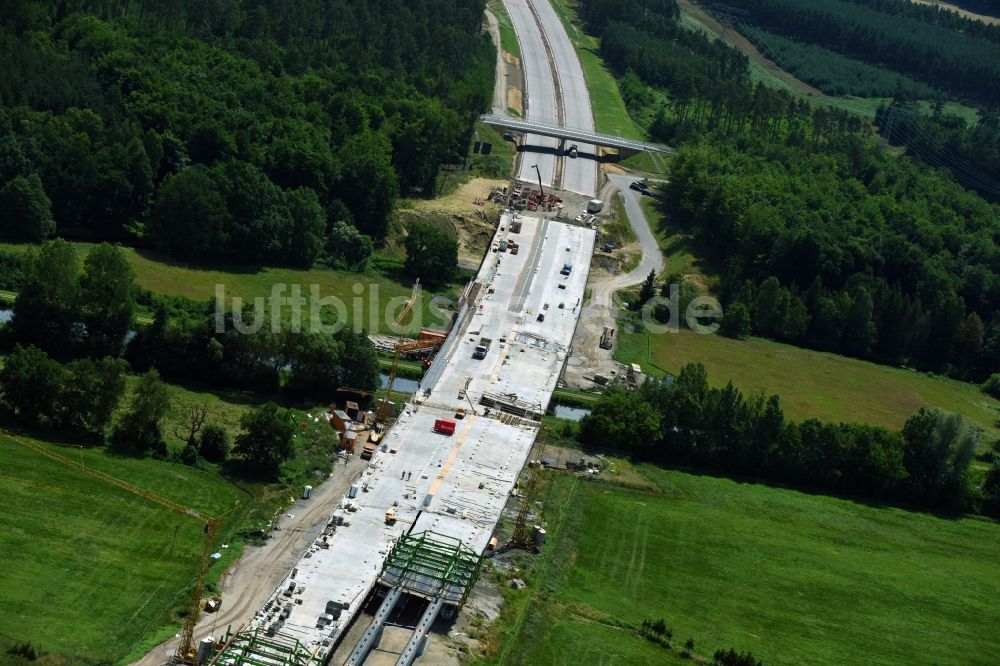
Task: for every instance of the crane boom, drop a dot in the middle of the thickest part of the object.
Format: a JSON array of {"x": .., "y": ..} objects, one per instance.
[{"x": 539, "y": 172}]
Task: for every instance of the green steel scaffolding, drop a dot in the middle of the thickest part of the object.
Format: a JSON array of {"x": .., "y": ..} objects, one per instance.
[
  {"x": 432, "y": 565},
  {"x": 256, "y": 648}
]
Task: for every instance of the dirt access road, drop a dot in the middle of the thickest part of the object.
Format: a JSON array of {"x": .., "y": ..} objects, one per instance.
[
  {"x": 248, "y": 583},
  {"x": 587, "y": 358},
  {"x": 740, "y": 42},
  {"x": 992, "y": 20}
]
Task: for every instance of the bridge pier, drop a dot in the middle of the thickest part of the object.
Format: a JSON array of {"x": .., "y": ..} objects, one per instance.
[
  {"x": 373, "y": 634},
  {"x": 415, "y": 646}
]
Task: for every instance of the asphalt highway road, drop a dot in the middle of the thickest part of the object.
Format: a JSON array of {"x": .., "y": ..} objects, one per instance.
[
  {"x": 580, "y": 174},
  {"x": 539, "y": 94}
]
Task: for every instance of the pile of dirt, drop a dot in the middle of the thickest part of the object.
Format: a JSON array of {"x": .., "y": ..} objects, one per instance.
[{"x": 465, "y": 215}]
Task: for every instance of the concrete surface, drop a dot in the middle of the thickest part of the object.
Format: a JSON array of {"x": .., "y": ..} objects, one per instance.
[{"x": 453, "y": 485}]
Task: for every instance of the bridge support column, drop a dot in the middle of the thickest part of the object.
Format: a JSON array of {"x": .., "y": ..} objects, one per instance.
[
  {"x": 373, "y": 634},
  {"x": 415, "y": 646}
]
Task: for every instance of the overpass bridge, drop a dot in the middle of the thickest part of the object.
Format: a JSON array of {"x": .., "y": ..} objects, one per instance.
[{"x": 625, "y": 147}]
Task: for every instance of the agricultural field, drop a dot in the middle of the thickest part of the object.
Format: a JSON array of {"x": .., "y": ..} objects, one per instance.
[
  {"x": 90, "y": 569},
  {"x": 811, "y": 384},
  {"x": 793, "y": 578}
]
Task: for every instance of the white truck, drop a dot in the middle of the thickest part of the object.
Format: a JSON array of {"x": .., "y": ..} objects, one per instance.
[{"x": 484, "y": 346}]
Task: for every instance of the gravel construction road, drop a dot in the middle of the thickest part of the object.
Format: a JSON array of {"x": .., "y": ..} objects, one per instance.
[
  {"x": 652, "y": 257},
  {"x": 587, "y": 358},
  {"x": 249, "y": 582}
]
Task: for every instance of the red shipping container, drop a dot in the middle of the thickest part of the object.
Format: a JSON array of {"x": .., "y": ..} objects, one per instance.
[{"x": 445, "y": 426}]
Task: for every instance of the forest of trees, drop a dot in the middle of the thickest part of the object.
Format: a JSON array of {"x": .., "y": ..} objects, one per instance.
[
  {"x": 687, "y": 422},
  {"x": 850, "y": 251},
  {"x": 970, "y": 154},
  {"x": 959, "y": 63},
  {"x": 235, "y": 130},
  {"x": 707, "y": 82},
  {"x": 820, "y": 239}
]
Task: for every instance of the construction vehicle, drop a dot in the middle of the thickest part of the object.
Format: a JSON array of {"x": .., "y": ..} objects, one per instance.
[
  {"x": 573, "y": 151},
  {"x": 595, "y": 206},
  {"x": 187, "y": 652},
  {"x": 606, "y": 337},
  {"x": 390, "y": 516},
  {"x": 460, "y": 413},
  {"x": 479, "y": 352},
  {"x": 368, "y": 450},
  {"x": 539, "y": 172},
  {"x": 445, "y": 426}
]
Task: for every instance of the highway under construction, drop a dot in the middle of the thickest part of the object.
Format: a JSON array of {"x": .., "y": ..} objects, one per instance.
[{"x": 417, "y": 522}]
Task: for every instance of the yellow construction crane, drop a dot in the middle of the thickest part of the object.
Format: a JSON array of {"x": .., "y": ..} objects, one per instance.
[
  {"x": 186, "y": 651},
  {"x": 382, "y": 411}
]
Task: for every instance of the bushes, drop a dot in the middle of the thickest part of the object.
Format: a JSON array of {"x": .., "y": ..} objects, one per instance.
[
  {"x": 80, "y": 397},
  {"x": 992, "y": 385}
]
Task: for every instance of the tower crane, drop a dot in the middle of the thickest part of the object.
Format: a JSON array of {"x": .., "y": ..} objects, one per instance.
[{"x": 186, "y": 651}]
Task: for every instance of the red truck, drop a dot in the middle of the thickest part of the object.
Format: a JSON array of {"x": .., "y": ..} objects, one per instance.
[{"x": 445, "y": 426}]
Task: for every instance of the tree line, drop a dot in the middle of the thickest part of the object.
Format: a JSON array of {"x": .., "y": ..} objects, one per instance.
[
  {"x": 687, "y": 422},
  {"x": 72, "y": 310},
  {"x": 86, "y": 398},
  {"x": 943, "y": 16},
  {"x": 849, "y": 250},
  {"x": 707, "y": 82},
  {"x": 186, "y": 343},
  {"x": 945, "y": 58},
  {"x": 258, "y": 129}
]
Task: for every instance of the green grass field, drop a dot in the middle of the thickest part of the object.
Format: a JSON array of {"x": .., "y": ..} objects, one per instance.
[
  {"x": 811, "y": 384},
  {"x": 357, "y": 291},
  {"x": 508, "y": 38},
  {"x": 795, "y": 578},
  {"x": 90, "y": 569}
]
